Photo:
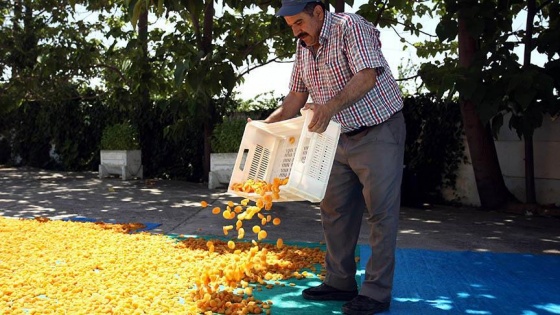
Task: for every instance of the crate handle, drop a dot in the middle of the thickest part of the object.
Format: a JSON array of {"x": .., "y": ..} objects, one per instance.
[{"x": 243, "y": 159}]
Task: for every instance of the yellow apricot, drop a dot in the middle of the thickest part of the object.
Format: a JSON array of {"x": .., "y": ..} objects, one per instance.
[
  {"x": 231, "y": 244},
  {"x": 292, "y": 140},
  {"x": 226, "y": 214},
  {"x": 256, "y": 229},
  {"x": 262, "y": 235}
]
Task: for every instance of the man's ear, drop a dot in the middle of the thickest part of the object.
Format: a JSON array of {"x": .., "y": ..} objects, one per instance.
[{"x": 318, "y": 12}]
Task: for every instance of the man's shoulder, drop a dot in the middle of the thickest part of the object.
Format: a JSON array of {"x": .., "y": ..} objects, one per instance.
[{"x": 343, "y": 18}]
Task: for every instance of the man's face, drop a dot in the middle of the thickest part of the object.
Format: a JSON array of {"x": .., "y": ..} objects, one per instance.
[{"x": 307, "y": 27}]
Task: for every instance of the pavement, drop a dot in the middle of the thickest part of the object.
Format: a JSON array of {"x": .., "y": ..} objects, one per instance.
[{"x": 29, "y": 192}]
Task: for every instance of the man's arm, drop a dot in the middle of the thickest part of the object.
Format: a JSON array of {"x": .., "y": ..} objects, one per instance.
[
  {"x": 290, "y": 107},
  {"x": 361, "y": 83}
]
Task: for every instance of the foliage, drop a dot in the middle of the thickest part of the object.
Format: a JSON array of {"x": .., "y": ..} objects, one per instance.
[
  {"x": 5, "y": 151},
  {"x": 45, "y": 53},
  {"x": 227, "y": 135},
  {"x": 498, "y": 81},
  {"x": 122, "y": 136},
  {"x": 56, "y": 136},
  {"x": 434, "y": 148},
  {"x": 66, "y": 75}
]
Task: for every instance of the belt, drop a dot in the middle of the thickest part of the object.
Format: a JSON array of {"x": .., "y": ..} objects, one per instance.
[
  {"x": 357, "y": 131},
  {"x": 363, "y": 128}
]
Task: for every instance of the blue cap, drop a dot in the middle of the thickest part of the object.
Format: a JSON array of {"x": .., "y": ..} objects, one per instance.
[{"x": 293, "y": 7}]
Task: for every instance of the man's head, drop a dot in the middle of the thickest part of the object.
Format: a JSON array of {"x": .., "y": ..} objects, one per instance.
[
  {"x": 305, "y": 17},
  {"x": 293, "y": 7}
]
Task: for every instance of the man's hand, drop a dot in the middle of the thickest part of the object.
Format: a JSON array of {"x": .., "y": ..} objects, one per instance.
[
  {"x": 322, "y": 115},
  {"x": 355, "y": 89}
]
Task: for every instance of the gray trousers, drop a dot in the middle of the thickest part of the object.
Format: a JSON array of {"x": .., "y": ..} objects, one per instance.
[{"x": 366, "y": 175}]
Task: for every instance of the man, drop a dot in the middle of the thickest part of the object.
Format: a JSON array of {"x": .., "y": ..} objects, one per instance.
[{"x": 339, "y": 64}]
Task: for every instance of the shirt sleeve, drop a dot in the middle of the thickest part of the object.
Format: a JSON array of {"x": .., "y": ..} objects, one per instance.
[{"x": 363, "y": 46}]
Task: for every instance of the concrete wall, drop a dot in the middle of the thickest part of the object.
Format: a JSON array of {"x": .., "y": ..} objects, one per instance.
[{"x": 511, "y": 156}]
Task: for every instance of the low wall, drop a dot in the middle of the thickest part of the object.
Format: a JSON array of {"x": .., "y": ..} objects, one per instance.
[{"x": 510, "y": 150}]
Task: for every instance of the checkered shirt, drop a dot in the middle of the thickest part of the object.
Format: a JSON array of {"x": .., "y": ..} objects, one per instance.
[{"x": 349, "y": 43}]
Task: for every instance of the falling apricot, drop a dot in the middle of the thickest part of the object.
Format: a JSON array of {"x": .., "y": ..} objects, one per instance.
[
  {"x": 276, "y": 221},
  {"x": 226, "y": 214},
  {"x": 216, "y": 210},
  {"x": 231, "y": 245},
  {"x": 203, "y": 204},
  {"x": 279, "y": 243},
  {"x": 256, "y": 229},
  {"x": 262, "y": 235},
  {"x": 227, "y": 228}
]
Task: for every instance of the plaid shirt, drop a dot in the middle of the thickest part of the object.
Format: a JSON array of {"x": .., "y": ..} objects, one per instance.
[{"x": 349, "y": 43}]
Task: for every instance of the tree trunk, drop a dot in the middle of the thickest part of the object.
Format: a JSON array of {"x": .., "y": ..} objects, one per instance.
[
  {"x": 208, "y": 125},
  {"x": 490, "y": 184},
  {"x": 530, "y": 194},
  {"x": 143, "y": 108},
  {"x": 339, "y": 6}
]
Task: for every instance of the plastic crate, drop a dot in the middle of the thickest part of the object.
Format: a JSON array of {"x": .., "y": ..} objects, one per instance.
[{"x": 287, "y": 149}]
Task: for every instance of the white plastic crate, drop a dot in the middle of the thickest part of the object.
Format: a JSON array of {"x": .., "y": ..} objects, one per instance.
[{"x": 266, "y": 152}]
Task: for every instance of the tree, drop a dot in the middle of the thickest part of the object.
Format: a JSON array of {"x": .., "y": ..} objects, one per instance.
[
  {"x": 44, "y": 58},
  {"x": 213, "y": 51},
  {"x": 492, "y": 82},
  {"x": 486, "y": 72}
]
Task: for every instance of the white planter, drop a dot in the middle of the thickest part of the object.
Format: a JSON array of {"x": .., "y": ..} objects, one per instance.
[
  {"x": 126, "y": 163},
  {"x": 221, "y": 168}
]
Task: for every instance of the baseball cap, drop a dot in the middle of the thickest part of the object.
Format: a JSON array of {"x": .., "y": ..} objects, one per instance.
[{"x": 293, "y": 7}]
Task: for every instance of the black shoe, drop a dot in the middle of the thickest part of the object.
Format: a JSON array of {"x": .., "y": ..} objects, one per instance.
[
  {"x": 325, "y": 292},
  {"x": 362, "y": 305}
]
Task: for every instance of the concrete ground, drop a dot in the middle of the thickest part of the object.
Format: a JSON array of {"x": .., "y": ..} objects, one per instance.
[{"x": 26, "y": 192}]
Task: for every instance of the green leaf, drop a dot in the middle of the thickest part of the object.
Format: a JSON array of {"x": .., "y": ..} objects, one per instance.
[
  {"x": 179, "y": 73},
  {"x": 447, "y": 30},
  {"x": 136, "y": 13},
  {"x": 524, "y": 97},
  {"x": 160, "y": 8}
]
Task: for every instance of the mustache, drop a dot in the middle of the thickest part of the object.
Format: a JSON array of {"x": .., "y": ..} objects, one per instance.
[{"x": 300, "y": 36}]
